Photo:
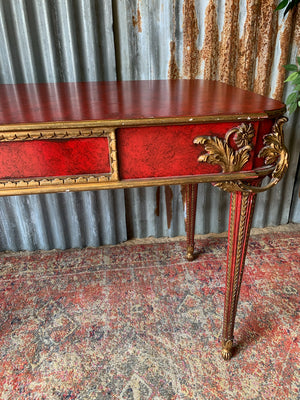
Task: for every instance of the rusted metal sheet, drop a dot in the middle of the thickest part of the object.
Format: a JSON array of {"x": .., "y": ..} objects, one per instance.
[
  {"x": 229, "y": 44},
  {"x": 267, "y": 30},
  {"x": 247, "y": 48},
  {"x": 241, "y": 42},
  {"x": 137, "y": 20},
  {"x": 190, "y": 67}
]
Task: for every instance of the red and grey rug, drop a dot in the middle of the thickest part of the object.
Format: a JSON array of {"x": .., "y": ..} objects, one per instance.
[{"x": 140, "y": 322}]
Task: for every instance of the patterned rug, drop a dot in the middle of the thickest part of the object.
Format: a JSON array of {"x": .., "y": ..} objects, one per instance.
[{"x": 139, "y": 322}]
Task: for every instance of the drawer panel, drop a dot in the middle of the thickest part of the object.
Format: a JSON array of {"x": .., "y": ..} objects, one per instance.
[
  {"x": 166, "y": 151},
  {"x": 38, "y": 158}
]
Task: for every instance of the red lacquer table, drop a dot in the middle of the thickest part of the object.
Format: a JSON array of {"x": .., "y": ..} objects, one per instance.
[{"x": 88, "y": 136}]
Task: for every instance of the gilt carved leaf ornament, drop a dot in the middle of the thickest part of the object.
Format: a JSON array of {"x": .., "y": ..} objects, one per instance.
[
  {"x": 220, "y": 152},
  {"x": 217, "y": 153},
  {"x": 275, "y": 150}
]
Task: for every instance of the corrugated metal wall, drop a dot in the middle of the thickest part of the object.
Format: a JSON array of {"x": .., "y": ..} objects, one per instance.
[{"x": 244, "y": 43}]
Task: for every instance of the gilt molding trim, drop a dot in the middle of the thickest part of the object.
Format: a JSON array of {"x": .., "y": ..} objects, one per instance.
[
  {"x": 220, "y": 152},
  {"x": 53, "y": 134},
  {"x": 112, "y": 145},
  {"x": 39, "y": 182}
]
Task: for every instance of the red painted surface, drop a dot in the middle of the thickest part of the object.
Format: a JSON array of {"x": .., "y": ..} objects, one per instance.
[
  {"x": 166, "y": 150},
  {"x": 54, "y": 158},
  {"x": 143, "y": 152},
  {"x": 76, "y": 101}
]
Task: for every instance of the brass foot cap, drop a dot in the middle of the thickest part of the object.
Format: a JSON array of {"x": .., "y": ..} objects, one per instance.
[
  {"x": 190, "y": 254},
  {"x": 227, "y": 350},
  {"x": 190, "y": 257}
]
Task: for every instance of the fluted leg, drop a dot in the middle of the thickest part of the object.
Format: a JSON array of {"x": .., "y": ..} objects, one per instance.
[
  {"x": 190, "y": 205},
  {"x": 241, "y": 212}
]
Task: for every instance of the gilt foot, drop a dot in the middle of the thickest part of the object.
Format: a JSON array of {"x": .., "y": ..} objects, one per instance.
[
  {"x": 190, "y": 253},
  {"x": 227, "y": 349}
]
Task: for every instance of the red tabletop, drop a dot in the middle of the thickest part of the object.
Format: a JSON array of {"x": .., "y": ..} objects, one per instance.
[{"x": 82, "y": 101}]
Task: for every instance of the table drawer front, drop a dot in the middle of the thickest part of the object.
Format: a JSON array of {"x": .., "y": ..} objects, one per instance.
[
  {"x": 165, "y": 151},
  {"x": 58, "y": 153}
]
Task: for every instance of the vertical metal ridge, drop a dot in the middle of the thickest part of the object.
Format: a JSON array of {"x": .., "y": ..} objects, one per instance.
[
  {"x": 55, "y": 221},
  {"x": 18, "y": 42},
  {"x": 294, "y": 215},
  {"x": 7, "y": 74}
]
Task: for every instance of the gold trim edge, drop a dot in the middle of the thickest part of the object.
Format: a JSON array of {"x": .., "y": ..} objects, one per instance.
[
  {"x": 122, "y": 123},
  {"x": 55, "y": 134},
  {"x": 99, "y": 182}
]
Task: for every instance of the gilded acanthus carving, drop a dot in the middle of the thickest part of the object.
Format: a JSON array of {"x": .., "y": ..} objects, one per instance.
[
  {"x": 220, "y": 152},
  {"x": 275, "y": 151}
]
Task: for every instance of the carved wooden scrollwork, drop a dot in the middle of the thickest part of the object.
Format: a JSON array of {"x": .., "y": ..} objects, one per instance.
[{"x": 220, "y": 152}]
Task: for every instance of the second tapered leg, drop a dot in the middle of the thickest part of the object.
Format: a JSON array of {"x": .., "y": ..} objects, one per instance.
[
  {"x": 190, "y": 205},
  {"x": 241, "y": 212}
]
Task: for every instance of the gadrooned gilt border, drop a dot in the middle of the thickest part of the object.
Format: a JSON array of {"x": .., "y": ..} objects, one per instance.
[
  {"x": 63, "y": 134},
  {"x": 220, "y": 152}
]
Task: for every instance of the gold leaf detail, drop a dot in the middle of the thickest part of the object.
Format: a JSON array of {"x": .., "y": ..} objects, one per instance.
[
  {"x": 243, "y": 134},
  {"x": 219, "y": 151},
  {"x": 274, "y": 153},
  {"x": 275, "y": 150},
  {"x": 228, "y": 186}
]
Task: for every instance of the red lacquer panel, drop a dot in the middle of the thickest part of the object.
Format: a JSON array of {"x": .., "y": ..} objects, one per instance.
[
  {"x": 54, "y": 158},
  {"x": 165, "y": 151}
]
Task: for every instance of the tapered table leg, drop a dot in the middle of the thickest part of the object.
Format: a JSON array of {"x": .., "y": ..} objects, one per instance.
[
  {"x": 241, "y": 212},
  {"x": 190, "y": 205}
]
